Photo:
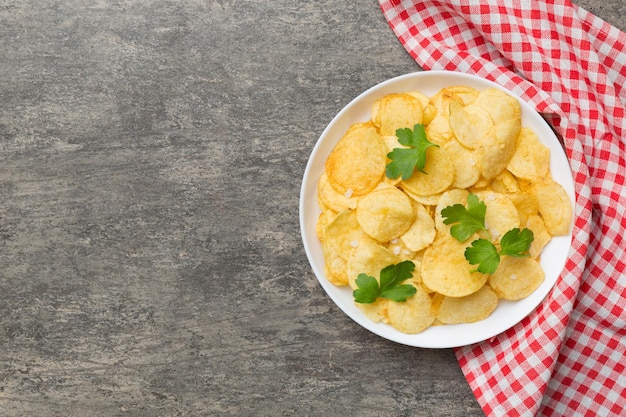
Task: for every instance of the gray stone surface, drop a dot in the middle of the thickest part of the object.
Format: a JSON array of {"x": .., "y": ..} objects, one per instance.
[{"x": 151, "y": 154}]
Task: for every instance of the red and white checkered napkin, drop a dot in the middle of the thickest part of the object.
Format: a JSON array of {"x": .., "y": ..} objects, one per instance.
[{"x": 569, "y": 356}]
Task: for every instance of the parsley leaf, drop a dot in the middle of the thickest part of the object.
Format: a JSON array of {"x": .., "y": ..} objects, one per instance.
[
  {"x": 485, "y": 254},
  {"x": 390, "y": 287},
  {"x": 404, "y": 161},
  {"x": 516, "y": 242},
  {"x": 469, "y": 220}
]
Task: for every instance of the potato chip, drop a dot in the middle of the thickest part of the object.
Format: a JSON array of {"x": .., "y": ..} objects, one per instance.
[
  {"x": 554, "y": 206},
  {"x": 501, "y": 215},
  {"x": 422, "y": 230},
  {"x": 469, "y": 124},
  {"x": 335, "y": 267},
  {"x": 413, "y": 315},
  {"x": 501, "y": 106},
  {"x": 505, "y": 183},
  {"x": 468, "y": 309},
  {"x": 516, "y": 278},
  {"x": 376, "y": 311},
  {"x": 497, "y": 148},
  {"x": 385, "y": 214},
  {"x": 396, "y": 111},
  {"x": 428, "y": 109},
  {"x": 445, "y": 269},
  {"x": 541, "y": 235},
  {"x": 324, "y": 219},
  {"x": 332, "y": 198},
  {"x": 357, "y": 162},
  {"x": 399, "y": 249},
  {"x": 466, "y": 171},
  {"x": 437, "y": 176},
  {"x": 526, "y": 204},
  {"x": 426, "y": 200},
  {"x": 531, "y": 159},
  {"x": 344, "y": 233},
  {"x": 368, "y": 257}
]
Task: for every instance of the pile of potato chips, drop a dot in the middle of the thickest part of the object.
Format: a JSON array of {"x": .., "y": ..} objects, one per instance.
[{"x": 369, "y": 221}]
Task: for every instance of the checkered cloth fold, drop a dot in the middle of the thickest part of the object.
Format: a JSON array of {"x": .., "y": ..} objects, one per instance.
[{"x": 569, "y": 356}]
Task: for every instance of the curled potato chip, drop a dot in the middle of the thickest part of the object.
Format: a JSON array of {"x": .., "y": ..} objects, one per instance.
[
  {"x": 516, "y": 278},
  {"x": 531, "y": 159},
  {"x": 437, "y": 176},
  {"x": 526, "y": 204},
  {"x": 376, "y": 311},
  {"x": 505, "y": 183},
  {"x": 468, "y": 309},
  {"x": 413, "y": 315},
  {"x": 357, "y": 163},
  {"x": 428, "y": 109},
  {"x": 332, "y": 198},
  {"x": 324, "y": 219},
  {"x": 541, "y": 235},
  {"x": 554, "y": 206},
  {"x": 501, "y": 215},
  {"x": 446, "y": 271},
  {"x": 422, "y": 230},
  {"x": 344, "y": 233},
  {"x": 497, "y": 148},
  {"x": 335, "y": 267},
  {"x": 466, "y": 172},
  {"x": 385, "y": 214},
  {"x": 396, "y": 111},
  {"x": 469, "y": 124},
  {"x": 501, "y": 106}
]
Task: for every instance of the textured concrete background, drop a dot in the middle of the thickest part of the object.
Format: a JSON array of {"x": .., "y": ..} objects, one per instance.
[{"x": 151, "y": 154}]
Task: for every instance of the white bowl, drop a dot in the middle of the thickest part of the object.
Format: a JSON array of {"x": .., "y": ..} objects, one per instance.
[{"x": 508, "y": 313}]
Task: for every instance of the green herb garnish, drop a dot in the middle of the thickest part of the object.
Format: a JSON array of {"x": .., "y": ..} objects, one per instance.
[
  {"x": 483, "y": 252},
  {"x": 391, "y": 287},
  {"x": 404, "y": 161}
]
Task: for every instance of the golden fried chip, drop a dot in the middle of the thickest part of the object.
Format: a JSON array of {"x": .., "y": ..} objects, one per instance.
[
  {"x": 468, "y": 309},
  {"x": 396, "y": 111},
  {"x": 369, "y": 257},
  {"x": 497, "y": 148},
  {"x": 437, "y": 176},
  {"x": 501, "y": 106},
  {"x": 344, "y": 233},
  {"x": 466, "y": 171},
  {"x": 413, "y": 315},
  {"x": 376, "y": 311},
  {"x": 446, "y": 271},
  {"x": 501, "y": 215},
  {"x": 399, "y": 249},
  {"x": 422, "y": 230},
  {"x": 335, "y": 267},
  {"x": 516, "y": 278},
  {"x": 554, "y": 206},
  {"x": 332, "y": 198},
  {"x": 428, "y": 109},
  {"x": 541, "y": 235},
  {"x": 357, "y": 163},
  {"x": 324, "y": 219},
  {"x": 505, "y": 183},
  {"x": 526, "y": 204},
  {"x": 385, "y": 214},
  {"x": 531, "y": 159},
  {"x": 469, "y": 124}
]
